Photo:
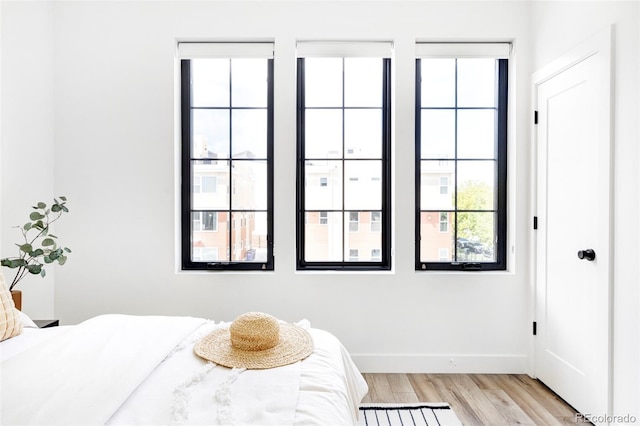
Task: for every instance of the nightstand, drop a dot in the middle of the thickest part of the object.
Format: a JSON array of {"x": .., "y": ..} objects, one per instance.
[{"x": 46, "y": 323}]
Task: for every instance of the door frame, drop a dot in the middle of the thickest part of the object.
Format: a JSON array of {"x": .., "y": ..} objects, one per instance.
[{"x": 600, "y": 43}]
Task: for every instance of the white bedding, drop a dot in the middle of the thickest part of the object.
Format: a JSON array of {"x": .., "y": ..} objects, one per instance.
[{"x": 47, "y": 378}]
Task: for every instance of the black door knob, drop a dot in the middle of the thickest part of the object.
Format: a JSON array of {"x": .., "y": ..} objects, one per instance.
[{"x": 587, "y": 254}]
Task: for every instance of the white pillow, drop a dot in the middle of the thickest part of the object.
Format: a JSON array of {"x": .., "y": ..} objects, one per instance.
[
  {"x": 10, "y": 324},
  {"x": 26, "y": 321}
]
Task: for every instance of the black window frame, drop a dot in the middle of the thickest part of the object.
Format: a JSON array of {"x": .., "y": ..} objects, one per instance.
[
  {"x": 186, "y": 172},
  {"x": 345, "y": 265},
  {"x": 501, "y": 206}
]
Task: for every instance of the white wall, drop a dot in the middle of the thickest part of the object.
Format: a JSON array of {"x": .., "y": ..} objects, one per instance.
[
  {"x": 26, "y": 136},
  {"x": 558, "y": 27}
]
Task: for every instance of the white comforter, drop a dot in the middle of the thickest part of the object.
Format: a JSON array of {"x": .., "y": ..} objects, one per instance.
[{"x": 126, "y": 370}]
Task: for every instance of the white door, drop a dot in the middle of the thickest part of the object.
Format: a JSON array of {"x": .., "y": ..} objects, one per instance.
[{"x": 573, "y": 205}]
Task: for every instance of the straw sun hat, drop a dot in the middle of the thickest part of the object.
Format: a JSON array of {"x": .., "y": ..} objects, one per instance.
[{"x": 256, "y": 341}]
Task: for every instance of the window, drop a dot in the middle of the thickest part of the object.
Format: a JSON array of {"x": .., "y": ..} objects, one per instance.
[
  {"x": 444, "y": 222},
  {"x": 227, "y": 155},
  {"x": 204, "y": 221},
  {"x": 444, "y": 185},
  {"x": 323, "y": 218},
  {"x": 375, "y": 254},
  {"x": 461, "y": 156},
  {"x": 354, "y": 221},
  {"x": 375, "y": 222},
  {"x": 344, "y": 136}
]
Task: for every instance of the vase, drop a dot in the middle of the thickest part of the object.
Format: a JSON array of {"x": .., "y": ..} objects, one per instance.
[{"x": 16, "y": 295}]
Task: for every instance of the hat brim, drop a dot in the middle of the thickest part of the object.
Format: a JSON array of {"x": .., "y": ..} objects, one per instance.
[{"x": 295, "y": 344}]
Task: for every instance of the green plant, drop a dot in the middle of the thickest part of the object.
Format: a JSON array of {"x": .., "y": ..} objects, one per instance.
[{"x": 38, "y": 247}]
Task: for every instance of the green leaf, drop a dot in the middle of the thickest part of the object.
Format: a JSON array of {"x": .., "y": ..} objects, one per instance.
[
  {"x": 27, "y": 248},
  {"x": 37, "y": 252},
  {"x": 36, "y": 216},
  {"x": 56, "y": 208},
  {"x": 41, "y": 205},
  {"x": 34, "y": 269},
  {"x": 47, "y": 259},
  {"x": 67, "y": 249},
  {"x": 15, "y": 263},
  {"x": 43, "y": 273},
  {"x": 62, "y": 260},
  {"x": 65, "y": 209},
  {"x": 54, "y": 255},
  {"x": 7, "y": 262},
  {"x": 63, "y": 198},
  {"x": 27, "y": 226},
  {"x": 48, "y": 242}
]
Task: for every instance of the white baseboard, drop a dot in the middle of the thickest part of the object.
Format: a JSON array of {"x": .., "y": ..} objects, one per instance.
[{"x": 467, "y": 364}]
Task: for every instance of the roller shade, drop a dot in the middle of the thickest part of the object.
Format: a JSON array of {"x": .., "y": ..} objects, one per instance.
[
  {"x": 463, "y": 50},
  {"x": 193, "y": 50},
  {"x": 344, "y": 49}
]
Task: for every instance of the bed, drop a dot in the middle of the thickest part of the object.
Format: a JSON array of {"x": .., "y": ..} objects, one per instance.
[{"x": 142, "y": 370}]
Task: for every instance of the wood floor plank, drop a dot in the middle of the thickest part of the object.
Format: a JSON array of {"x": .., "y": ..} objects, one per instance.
[
  {"x": 531, "y": 404},
  {"x": 407, "y": 397},
  {"x": 509, "y": 409},
  {"x": 399, "y": 383},
  {"x": 451, "y": 395},
  {"x": 484, "y": 381},
  {"x": 554, "y": 404},
  {"x": 379, "y": 388},
  {"x": 478, "y": 401},
  {"x": 424, "y": 389}
]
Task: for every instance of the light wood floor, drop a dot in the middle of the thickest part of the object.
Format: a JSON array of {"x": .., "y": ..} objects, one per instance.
[{"x": 477, "y": 399}]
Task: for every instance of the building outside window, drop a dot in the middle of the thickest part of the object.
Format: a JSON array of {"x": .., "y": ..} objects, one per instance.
[
  {"x": 227, "y": 155},
  {"x": 344, "y": 150},
  {"x": 461, "y": 156}
]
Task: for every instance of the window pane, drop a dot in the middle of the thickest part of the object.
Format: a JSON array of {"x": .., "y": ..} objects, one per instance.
[
  {"x": 476, "y": 237},
  {"x": 323, "y": 134},
  {"x": 323, "y": 185},
  {"x": 249, "y": 185},
  {"x": 210, "y": 82},
  {"x": 249, "y": 133},
  {"x": 209, "y": 236},
  {"x": 210, "y": 134},
  {"x": 432, "y": 176},
  {"x": 434, "y": 241},
  {"x": 249, "y": 82},
  {"x": 476, "y": 185},
  {"x": 323, "y": 82},
  {"x": 476, "y": 133},
  {"x": 360, "y": 237},
  {"x": 438, "y": 82},
  {"x": 363, "y": 133},
  {"x": 204, "y": 196},
  {"x": 363, "y": 82},
  {"x": 362, "y": 186},
  {"x": 323, "y": 242},
  {"x": 476, "y": 82},
  {"x": 249, "y": 237},
  {"x": 438, "y": 133}
]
